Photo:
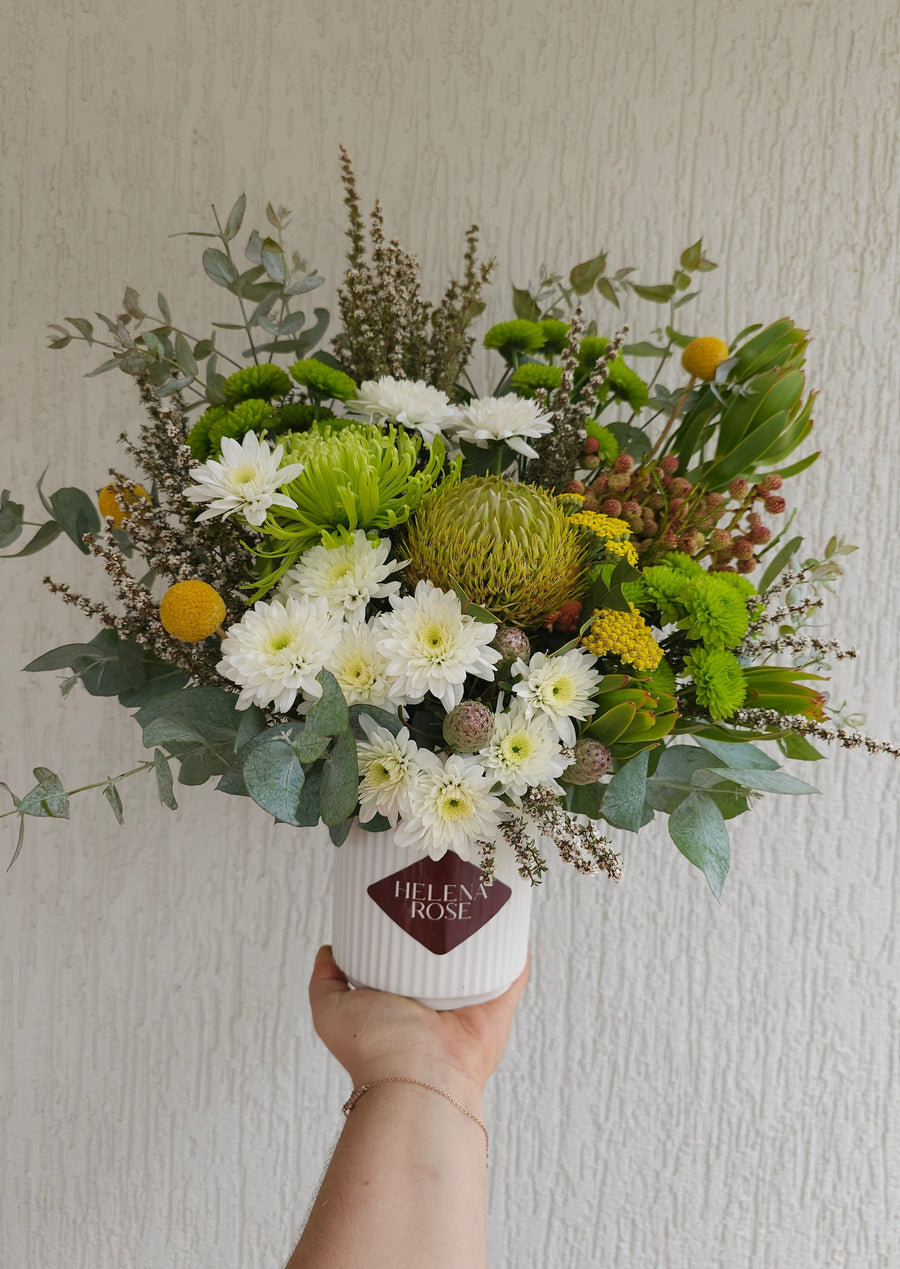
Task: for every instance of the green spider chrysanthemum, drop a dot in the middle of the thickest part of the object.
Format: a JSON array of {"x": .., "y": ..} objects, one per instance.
[
  {"x": 714, "y": 611},
  {"x": 511, "y": 547},
  {"x": 355, "y": 476},
  {"x": 325, "y": 381},
  {"x": 622, "y": 381},
  {"x": 518, "y": 336},
  {"x": 260, "y": 382},
  {"x": 556, "y": 335},
  {"x": 533, "y": 375},
  {"x": 718, "y": 681}
]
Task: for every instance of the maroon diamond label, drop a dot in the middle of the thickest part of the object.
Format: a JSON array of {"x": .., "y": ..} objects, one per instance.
[{"x": 439, "y": 902}]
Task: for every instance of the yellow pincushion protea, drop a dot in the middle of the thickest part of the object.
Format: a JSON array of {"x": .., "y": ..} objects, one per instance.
[
  {"x": 115, "y": 504},
  {"x": 191, "y": 611},
  {"x": 703, "y": 356},
  {"x": 625, "y": 635}
]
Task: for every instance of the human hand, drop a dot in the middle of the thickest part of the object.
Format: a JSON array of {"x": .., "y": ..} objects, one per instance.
[{"x": 375, "y": 1034}]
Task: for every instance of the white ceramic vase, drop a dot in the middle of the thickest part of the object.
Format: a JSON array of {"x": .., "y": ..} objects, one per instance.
[{"x": 427, "y": 928}]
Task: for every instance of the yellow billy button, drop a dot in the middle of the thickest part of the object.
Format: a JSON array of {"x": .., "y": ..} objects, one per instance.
[
  {"x": 115, "y": 504},
  {"x": 703, "y": 356},
  {"x": 191, "y": 611}
]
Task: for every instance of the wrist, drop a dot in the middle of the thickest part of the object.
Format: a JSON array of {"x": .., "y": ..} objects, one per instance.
[{"x": 460, "y": 1085}]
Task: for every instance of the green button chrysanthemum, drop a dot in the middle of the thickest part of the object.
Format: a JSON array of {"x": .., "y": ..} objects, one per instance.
[
  {"x": 556, "y": 335},
  {"x": 714, "y": 611},
  {"x": 198, "y": 436},
  {"x": 718, "y": 680},
  {"x": 259, "y": 382},
  {"x": 325, "y": 381},
  {"x": 251, "y": 415},
  {"x": 660, "y": 587},
  {"x": 623, "y": 382},
  {"x": 533, "y": 375},
  {"x": 517, "y": 336}
]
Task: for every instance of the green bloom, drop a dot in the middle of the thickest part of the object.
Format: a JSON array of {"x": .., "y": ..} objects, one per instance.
[
  {"x": 251, "y": 415},
  {"x": 685, "y": 563},
  {"x": 262, "y": 382},
  {"x": 533, "y": 375},
  {"x": 622, "y": 381},
  {"x": 324, "y": 381},
  {"x": 659, "y": 587},
  {"x": 355, "y": 476},
  {"x": 511, "y": 547},
  {"x": 297, "y": 416},
  {"x": 718, "y": 680},
  {"x": 738, "y": 582},
  {"x": 556, "y": 335},
  {"x": 198, "y": 436},
  {"x": 714, "y": 611},
  {"x": 518, "y": 336}
]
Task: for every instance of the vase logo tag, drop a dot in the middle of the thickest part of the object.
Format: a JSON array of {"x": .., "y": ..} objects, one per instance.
[{"x": 439, "y": 902}]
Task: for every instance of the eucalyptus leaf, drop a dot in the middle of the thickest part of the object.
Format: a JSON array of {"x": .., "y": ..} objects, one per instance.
[
  {"x": 77, "y": 515},
  {"x": 340, "y": 780},
  {"x": 218, "y": 268},
  {"x": 235, "y": 218},
  {"x": 184, "y": 356},
  {"x": 83, "y": 326},
  {"x": 382, "y": 717},
  {"x": 798, "y": 747},
  {"x": 111, "y": 793},
  {"x": 274, "y": 779},
  {"x": 60, "y": 658},
  {"x": 19, "y": 843},
  {"x": 377, "y": 824},
  {"x": 697, "y": 827},
  {"x": 273, "y": 260},
  {"x": 164, "y": 784},
  {"x": 47, "y": 799},
  {"x": 623, "y": 801},
  {"x": 525, "y": 306},
  {"x": 338, "y": 832},
  {"x": 329, "y": 714},
  {"x": 739, "y": 756},
  {"x": 307, "y": 813},
  {"x": 46, "y": 534},
  {"x": 132, "y": 303}
]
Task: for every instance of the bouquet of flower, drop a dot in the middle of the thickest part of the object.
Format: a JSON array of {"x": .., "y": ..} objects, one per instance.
[{"x": 351, "y": 588}]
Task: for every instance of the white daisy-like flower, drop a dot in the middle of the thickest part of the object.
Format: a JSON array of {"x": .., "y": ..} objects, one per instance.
[
  {"x": 276, "y": 650},
  {"x": 508, "y": 418},
  {"x": 347, "y": 575},
  {"x": 558, "y": 687},
  {"x": 389, "y": 766},
  {"x": 360, "y": 668},
  {"x": 450, "y": 805},
  {"x": 415, "y": 404},
  {"x": 245, "y": 482},
  {"x": 431, "y": 645},
  {"x": 524, "y": 751}
]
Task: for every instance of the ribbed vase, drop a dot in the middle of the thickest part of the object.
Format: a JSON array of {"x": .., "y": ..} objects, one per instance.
[{"x": 427, "y": 928}]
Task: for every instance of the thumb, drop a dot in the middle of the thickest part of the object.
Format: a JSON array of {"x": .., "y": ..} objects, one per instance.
[{"x": 327, "y": 978}]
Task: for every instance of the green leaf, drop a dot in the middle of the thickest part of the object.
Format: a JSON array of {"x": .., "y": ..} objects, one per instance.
[
  {"x": 114, "y": 666},
  {"x": 111, "y": 793},
  {"x": 132, "y": 304},
  {"x": 154, "y": 344},
  {"x": 329, "y": 714},
  {"x": 46, "y": 534},
  {"x": 83, "y": 326},
  {"x": 48, "y": 798},
  {"x": 164, "y": 786},
  {"x": 252, "y": 723},
  {"x": 670, "y": 783},
  {"x": 692, "y": 255},
  {"x": 608, "y": 291},
  {"x": 623, "y": 801},
  {"x": 679, "y": 340},
  {"x": 645, "y": 349},
  {"x": 184, "y": 356},
  {"x": 274, "y": 779},
  {"x": 218, "y": 268},
  {"x": 77, "y": 515},
  {"x": 697, "y": 827},
  {"x": 340, "y": 780},
  {"x": 796, "y": 746},
  {"x": 781, "y": 560},
  {"x": 381, "y": 717},
  {"x": 586, "y": 799},
  {"x": 658, "y": 294},
  {"x": 740, "y": 757},
  {"x": 768, "y": 781},
  {"x": 377, "y": 824},
  {"x": 60, "y": 658},
  {"x": 470, "y": 609},
  {"x": 11, "y": 517},
  {"x": 164, "y": 308},
  {"x": 235, "y": 218},
  {"x": 307, "y": 815},
  {"x": 338, "y": 832},
  {"x": 159, "y": 678},
  {"x": 612, "y": 724},
  {"x": 273, "y": 260},
  {"x": 253, "y": 249},
  {"x": 21, "y": 838},
  {"x": 524, "y": 305},
  {"x": 583, "y": 277}
]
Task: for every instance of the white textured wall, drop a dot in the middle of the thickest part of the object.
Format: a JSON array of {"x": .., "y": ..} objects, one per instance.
[{"x": 689, "y": 1085}]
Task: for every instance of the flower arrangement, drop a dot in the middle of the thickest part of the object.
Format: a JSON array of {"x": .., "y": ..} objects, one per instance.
[{"x": 350, "y": 587}]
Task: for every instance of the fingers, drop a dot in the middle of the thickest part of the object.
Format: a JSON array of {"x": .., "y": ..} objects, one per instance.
[{"x": 327, "y": 979}]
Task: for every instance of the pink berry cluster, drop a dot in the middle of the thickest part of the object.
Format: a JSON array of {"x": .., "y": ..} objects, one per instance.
[{"x": 666, "y": 512}]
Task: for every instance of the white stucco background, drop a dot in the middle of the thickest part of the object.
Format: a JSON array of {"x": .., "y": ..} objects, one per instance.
[{"x": 689, "y": 1084}]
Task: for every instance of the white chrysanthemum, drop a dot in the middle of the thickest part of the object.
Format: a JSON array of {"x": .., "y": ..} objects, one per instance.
[
  {"x": 558, "y": 687},
  {"x": 524, "y": 751},
  {"x": 360, "y": 668},
  {"x": 508, "y": 418},
  {"x": 450, "y": 805},
  {"x": 245, "y": 482},
  {"x": 389, "y": 766},
  {"x": 431, "y": 645},
  {"x": 416, "y": 405},
  {"x": 347, "y": 575},
  {"x": 276, "y": 650}
]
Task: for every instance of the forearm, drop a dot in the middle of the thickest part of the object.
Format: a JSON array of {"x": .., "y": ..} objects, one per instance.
[{"x": 405, "y": 1188}]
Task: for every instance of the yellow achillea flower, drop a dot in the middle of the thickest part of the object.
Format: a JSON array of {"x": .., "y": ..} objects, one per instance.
[
  {"x": 625, "y": 635},
  {"x": 115, "y": 503},
  {"x": 191, "y": 611},
  {"x": 613, "y": 531}
]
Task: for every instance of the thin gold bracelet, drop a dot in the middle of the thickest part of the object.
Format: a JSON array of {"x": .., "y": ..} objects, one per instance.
[{"x": 406, "y": 1079}]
